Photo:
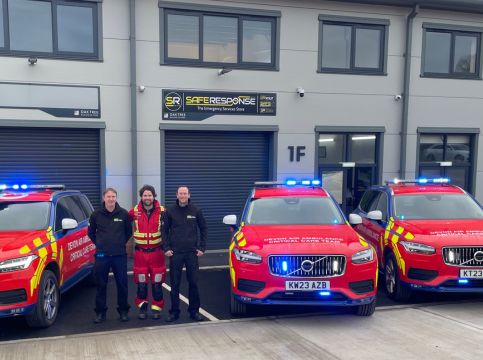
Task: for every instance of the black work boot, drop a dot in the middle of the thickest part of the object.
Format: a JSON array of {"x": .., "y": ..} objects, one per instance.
[
  {"x": 124, "y": 316},
  {"x": 156, "y": 314},
  {"x": 143, "y": 311},
  {"x": 100, "y": 317}
]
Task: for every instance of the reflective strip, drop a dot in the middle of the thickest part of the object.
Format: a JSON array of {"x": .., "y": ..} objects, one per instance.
[
  {"x": 155, "y": 307},
  {"x": 142, "y": 303},
  {"x": 150, "y": 241}
]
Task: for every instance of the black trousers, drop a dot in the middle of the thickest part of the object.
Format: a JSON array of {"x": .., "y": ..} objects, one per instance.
[
  {"x": 176, "y": 263},
  {"x": 103, "y": 265}
]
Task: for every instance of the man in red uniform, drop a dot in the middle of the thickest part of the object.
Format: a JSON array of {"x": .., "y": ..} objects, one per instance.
[{"x": 149, "y": 264}]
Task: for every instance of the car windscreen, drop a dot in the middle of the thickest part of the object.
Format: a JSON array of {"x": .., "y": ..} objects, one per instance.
[
  {"x": 293, "y": 211},
  {"x": 24, "y": 215},
  {"x": 436, "y": 207}
]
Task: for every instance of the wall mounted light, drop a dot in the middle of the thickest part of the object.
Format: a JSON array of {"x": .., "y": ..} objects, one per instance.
[
  {"x": 32, "y": 60},
  {"x": 224, "y": 71}
]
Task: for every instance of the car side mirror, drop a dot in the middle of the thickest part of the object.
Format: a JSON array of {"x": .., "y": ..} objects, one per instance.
[
  {"x": 230, "y": 220},
  {"x": 375, "y": 215},
  {"x": 68, "y": 224},
  {"x": 355, "y": 219}
]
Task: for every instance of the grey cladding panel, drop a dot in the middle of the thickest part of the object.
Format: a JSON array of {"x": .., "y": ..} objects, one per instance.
[
  {"x": 52, "y": 156},
  {"x": 219, "y": 168}
]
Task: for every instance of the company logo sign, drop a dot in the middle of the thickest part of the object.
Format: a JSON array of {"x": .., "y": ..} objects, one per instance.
[{"x": 200, "y": 105}]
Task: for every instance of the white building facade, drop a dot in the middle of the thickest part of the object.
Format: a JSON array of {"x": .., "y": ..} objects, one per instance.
[{"x": 219, "y": 94}]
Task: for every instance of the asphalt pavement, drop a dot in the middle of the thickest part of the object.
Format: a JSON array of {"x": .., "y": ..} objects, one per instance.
[{"x": 76, "y": 312}]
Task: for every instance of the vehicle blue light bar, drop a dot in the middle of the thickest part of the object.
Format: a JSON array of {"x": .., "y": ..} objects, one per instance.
[
  {"x": 31, "y": 187},
  {"x": 289, "y": 182},
  {"x": 419, "y": 181},
  {"x": 324, "y": 293},
  {"x": 463, "y": 281}
]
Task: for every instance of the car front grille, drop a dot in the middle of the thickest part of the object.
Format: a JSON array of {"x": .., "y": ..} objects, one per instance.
[
  {"x": 307, "y": 266},
  {"x": 463, "y": 256}
]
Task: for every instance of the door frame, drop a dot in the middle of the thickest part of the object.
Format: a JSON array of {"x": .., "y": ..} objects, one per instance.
[{"x": 347, "y": 130}]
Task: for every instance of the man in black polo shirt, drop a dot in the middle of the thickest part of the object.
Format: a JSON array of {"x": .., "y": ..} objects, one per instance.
[
  {"x": 183, "y": 246},
  {"x": 110, "y": 228}
]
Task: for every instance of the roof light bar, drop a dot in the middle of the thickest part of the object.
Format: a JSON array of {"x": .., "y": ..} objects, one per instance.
[
  {"x": 32, "y": 187},
  {"x": 419, "y": 181},
  {"x": 289, "y": 182}
]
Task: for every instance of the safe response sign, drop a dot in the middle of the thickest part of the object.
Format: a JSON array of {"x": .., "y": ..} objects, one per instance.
[{"x": 200, "y": 105}]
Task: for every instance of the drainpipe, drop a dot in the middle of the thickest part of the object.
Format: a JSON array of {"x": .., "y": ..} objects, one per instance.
[
  {"x": 133, "y": 81},
  {"x": 405, "y": 94}
]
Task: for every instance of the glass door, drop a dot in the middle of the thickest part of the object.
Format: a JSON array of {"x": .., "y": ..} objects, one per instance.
[{"x": 347, "y": 166}]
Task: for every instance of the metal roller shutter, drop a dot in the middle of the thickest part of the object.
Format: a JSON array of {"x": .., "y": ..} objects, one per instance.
[
  {"x": 52, "y": 156},
  {"x": 219, "y": 168}
]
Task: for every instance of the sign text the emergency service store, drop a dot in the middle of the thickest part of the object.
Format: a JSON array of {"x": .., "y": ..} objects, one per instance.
[{"x": 200, "y": 105}]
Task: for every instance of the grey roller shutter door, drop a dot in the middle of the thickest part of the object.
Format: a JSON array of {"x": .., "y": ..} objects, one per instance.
[
  {"x": 52, "y": 156},
  {"x": 219, "y": 168}
]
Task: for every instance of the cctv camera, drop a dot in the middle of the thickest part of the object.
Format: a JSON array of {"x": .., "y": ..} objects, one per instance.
[
  {"x": 141, "y": 88},
  {"x": 300, "y": 91},
  {"x": 397, "y": 97}
]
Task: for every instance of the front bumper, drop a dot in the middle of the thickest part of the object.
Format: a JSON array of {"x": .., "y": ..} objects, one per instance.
[
  {"x": 254, "y": 284},
  {"x": 15, "y": 296}
]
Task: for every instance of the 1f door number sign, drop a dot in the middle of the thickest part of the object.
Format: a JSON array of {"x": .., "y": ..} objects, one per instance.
[{"x": 296, "y": 152}]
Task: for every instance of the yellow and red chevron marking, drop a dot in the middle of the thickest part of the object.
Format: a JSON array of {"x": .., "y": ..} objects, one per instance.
[
  {"x": 395, "y": 235},
  {"x": 232, "y": 270}
]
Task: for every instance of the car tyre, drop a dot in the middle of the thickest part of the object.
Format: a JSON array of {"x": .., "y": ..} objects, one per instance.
[
  {"x": 236, "y": 307},
  {"x": 394, "y": 288},
  {"x": 366, "y": 309},
  {"x": 48, "y": 301}
]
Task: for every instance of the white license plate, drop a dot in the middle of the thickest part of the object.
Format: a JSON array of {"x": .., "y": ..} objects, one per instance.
[
  {"x": 307, "y": 285},
  {"x": 471, "y": 273}
]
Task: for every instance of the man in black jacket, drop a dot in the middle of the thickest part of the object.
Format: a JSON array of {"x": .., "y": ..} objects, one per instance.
[
  {"x": 183, "y": 247},
  {"x": 110, "y": 228}
]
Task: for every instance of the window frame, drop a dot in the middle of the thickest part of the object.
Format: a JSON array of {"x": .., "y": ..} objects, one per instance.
[
  {"x": 241, "y": 14},
  {"x": 356, "y": 23},
  {"x": 453, "y": 31},
  {"x": 96, "y": 55}
]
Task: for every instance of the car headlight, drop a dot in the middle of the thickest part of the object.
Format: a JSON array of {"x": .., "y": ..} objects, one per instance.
[
  {"x": 247, "y": 256},
  {"x": 21, "y": 263},
  {"x": 363, "y": 256},
  {"x": 417, "y": 248}
]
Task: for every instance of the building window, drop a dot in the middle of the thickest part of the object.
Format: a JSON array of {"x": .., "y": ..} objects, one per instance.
[
  {"x": 352, "y": 47},
  {"x": 49, "y": 28},
  {"x": 451, "y": 53},
  {"x": 447, "y": 155},
  {"x": 217, "y": 39}
]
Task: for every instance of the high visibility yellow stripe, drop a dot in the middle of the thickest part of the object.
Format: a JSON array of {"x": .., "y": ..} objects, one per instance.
[
  {"x": 34, "y": 281},
  {"x": 155, "y": 307},
  {"x": 42, "y": 251},
  {"x": 24, "y": 250},
  {"x": 143, "y": 242}
]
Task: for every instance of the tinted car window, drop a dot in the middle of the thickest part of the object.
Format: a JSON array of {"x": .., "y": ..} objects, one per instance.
[
  {"x": 293, "y": 211},
  {"x": 368, "y": 200},
  {"x": 86, "y": 206},
  {"x": 75, "y": 208},
  {"x": 61, "y": 212},
  {"x": 436, "y": 206},
  {"x": 24, "y": 215},
  {"x": 382, "y": 205}
]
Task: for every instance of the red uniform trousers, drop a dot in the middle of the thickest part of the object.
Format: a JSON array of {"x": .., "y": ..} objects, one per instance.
[{"x": 149, "y": 267}]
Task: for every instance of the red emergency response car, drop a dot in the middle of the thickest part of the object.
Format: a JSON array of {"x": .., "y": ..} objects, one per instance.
[
  {"x": 44, "y": 249},
  {"x": 293, "y": 246},
  {"x": 428, "y": 235}
]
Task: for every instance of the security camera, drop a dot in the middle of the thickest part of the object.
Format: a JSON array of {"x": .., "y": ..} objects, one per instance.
[
  {"x": 397, "y": 97},
  {"x": 141, "y": 88},
  {"x": 301, "y": 91}
]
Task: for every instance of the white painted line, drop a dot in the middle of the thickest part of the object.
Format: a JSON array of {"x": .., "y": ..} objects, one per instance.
[{"x": 185, "y": 300}]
